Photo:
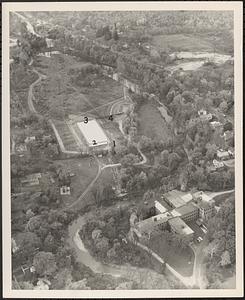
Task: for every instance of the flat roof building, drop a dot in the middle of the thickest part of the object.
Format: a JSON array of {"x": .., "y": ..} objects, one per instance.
[
  {"x": 174, "y": 199},
  {"x": 180, "y": 227},
  {"x": 188, "y": 212},
  {"x": 93, "y": 133},
  {"x": 159, "y": 206},
  {"x": 202, "y": 196},
  {"x": 147, "y": 226}
]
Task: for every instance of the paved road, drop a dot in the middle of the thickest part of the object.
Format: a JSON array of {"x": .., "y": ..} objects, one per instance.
[{"x": 30, "y": 93}]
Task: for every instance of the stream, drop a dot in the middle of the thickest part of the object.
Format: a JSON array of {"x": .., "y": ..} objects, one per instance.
[
  {"x": 127, "y": 271},
  {"x": 84, "y": 256}
]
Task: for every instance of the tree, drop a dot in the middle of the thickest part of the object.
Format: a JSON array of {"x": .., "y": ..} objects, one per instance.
[
  {"x": 78, "y": 285},
  {"x": 52, "y": 150},
  {"x": 34, "y": 223},
  {"x": 44, "y": 263},
  {"x": 149, "y": 195},
  {"x": 115, "y": 35},
  {"x": 145, "y": 143},
  {"x": 173, "y": 161},
  {"x": 223, "y": 106},
  {"x": 225, "y": 259},
  {"x": 102, "y": 244},
  {"x": 129, "y": 160},
  {"x": 211, "y": 151},
  {"x": 49, "y": 243},
  {"x": 62, "y": 279},
  {"x": 27, "y": 243},
  {"x": 165, "y": 157}
]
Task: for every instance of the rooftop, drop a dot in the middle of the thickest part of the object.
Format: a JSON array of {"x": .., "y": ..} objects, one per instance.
[
  {"x": 32, "y": 179},
  {"x": 150, "y": 223},
  {"x": 180, "y": 227},
  {"x": 187, "y": 198},
  {"x": 93, "y": 133},
  {"x": 205, "y": 205},
  {"x": 186, "y": 209},
  {"x": 159, "y": 205},
  {"x": 174, "y": 198},
  {"x": 202, "y": 196},
  {"x": 222, "y": 153}
]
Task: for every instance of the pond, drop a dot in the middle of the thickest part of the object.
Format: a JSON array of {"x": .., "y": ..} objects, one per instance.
[{"x": 199, "y": 58}]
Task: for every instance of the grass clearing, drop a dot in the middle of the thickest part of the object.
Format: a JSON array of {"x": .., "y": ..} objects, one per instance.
[
  {"x": 182, "y": 42},
  {"x": 66, "y": 136},
  {"x": 151, "y": 123},
  {"x": 181, "y": 260},
  {"x": 84, "y": 174},
  {"x": 221, "y": 198},
  {"x": 57, "y": 94}
]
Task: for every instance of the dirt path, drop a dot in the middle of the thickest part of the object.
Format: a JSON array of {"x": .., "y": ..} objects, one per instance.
[{"x": 214, "y": 194}]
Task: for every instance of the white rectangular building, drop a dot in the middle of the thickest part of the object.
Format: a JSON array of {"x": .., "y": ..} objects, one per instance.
[{"x": 93, "y": 133}]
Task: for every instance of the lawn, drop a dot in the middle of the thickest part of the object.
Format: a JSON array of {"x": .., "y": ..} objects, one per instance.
[
  {"x": 68, "y": 140},
  {"x": 84, "y": 174},
  {"x": 181, "y": 260},
  {"x": 182, "y": 42},
  {"x": 151, "y": 123},
  {"x": 221, "y": 198},
  {"x": 58, "y": 94}
]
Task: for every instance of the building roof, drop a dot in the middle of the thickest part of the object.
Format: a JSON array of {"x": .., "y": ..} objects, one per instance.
[
  {"x": 222, "y": 153},
  {"x": 31, "y": 179},
  {"x": 175, "y": 213},
  {"x": 92, "y": 131},
  {"x": 150, "y": 223},
  {"x": 186, "y": 209},
  {"x": 180, "y": 227},
  {"x": 159, "y": 206},
  {"x": 174, "y": 198},
  {"x": 203, "y": 196},
  {"x": 228, "y": 134},
  {"x": 205, "y": 204},
  {"x": 187, "y": 198}
]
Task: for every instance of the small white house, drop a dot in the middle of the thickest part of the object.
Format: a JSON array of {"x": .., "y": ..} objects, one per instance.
[
  {"x": 65, "y": 190},
  {"x": 222, "y": 154},
  {"x": 30, "y": 139},
  {"x": 218, "y": 164}
]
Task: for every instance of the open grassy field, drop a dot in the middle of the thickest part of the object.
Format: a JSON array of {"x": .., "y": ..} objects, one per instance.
[
  {"x": 221, "y": 198},
  {"x": 151, "y": 123},
  {"x": 66, "y": 136},
  {"x": 84, "y": 174},
  {"x": 181, "y": 42},
  {"x": 59, "y": 95},
  {"x": 181, "y": 260}
]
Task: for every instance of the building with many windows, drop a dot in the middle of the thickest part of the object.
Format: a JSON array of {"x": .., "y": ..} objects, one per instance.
[{"x": 188, "y": 212}]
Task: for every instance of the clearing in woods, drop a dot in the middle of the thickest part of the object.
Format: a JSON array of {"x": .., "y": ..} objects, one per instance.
[
  {"x": 151, "y": 122},
  {"x": 60, "y": 94},
  {"x": 182, "y": 42},
  {"x": 84, "y": 169}
]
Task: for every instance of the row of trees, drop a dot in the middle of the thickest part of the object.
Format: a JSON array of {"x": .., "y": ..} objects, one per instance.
[
  {"x": 105, "y": 237},
  {"x": 221, "y": 250}
]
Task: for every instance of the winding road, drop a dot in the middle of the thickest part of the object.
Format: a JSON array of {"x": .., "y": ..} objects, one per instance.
[{"x": 187, "y": 281}]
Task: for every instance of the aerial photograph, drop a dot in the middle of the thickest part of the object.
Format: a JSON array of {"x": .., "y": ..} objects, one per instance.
[{"x": 122, "y": 150}]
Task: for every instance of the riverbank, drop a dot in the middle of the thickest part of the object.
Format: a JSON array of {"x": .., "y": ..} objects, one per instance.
[{"x": 144, "y": 278}]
